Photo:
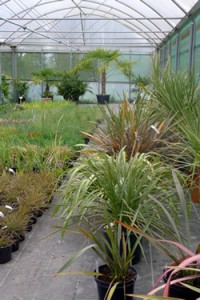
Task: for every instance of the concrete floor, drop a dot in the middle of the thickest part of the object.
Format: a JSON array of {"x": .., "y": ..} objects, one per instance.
[{"x": 29, "y": 275}]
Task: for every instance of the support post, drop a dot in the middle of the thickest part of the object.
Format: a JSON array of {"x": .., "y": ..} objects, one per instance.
[
  {"x": 14, "y": 73},
  {"x": 192, "y": 44},
  {"x": 177, "y": 52}
]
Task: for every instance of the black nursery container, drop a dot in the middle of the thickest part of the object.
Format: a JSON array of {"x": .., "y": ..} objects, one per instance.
[
  {"x": 103, "y": 99},
  {"x": 15, "y": 246},
  {"x": 5, "y": 254},
  {"x": 121, "y": 290},
  {"x": 178, "y": 291}
]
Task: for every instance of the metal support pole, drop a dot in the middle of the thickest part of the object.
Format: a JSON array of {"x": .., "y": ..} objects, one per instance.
[
  {"x": 70, "y": 59},
  {"x": 14, "y": 73},
  {"x": 177, "y": 52},
  {"x": 170, "y": 50},
  {"x": 42, "y": 67},
  {"x": 162, "y": 56},
  {"x": 192, "y": 44}
]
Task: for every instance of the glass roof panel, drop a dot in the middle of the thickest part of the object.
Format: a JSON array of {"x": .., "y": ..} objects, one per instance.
[{"x": 84, "y": 24}]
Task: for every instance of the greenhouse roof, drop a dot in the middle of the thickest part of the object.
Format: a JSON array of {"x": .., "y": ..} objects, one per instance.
[{"x": 80, "y": 25}]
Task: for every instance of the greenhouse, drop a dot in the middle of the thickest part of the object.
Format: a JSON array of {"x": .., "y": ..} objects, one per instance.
[
  {"x": 55, "y": 34},
  {"x": 99, "y": 149}
]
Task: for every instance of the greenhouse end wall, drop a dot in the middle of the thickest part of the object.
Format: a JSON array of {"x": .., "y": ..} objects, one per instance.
[{"x": 21, "y": 65}]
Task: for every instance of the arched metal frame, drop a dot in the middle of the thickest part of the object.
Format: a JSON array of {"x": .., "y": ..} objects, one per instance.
[{"x": 80, "y": 25}]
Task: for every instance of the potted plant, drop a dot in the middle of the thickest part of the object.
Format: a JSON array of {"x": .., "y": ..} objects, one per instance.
[
  {"x": 71, "y": 87},
  {"x": 134, "y": 128},
  {"x": 177, "y": 95},
  {"x": 111, "y": 186},
  {"x": 102, "y": 188},
  {"x": 175, "y": 92},
  {"x": 191, "y": 141},
  {"x": 140, "y": 83},
  {"x": 115, "y": 277},
  {"x": 16, "y": 224},
  {"x": 36, "y": 201},
  {"x": 182, "y": 276},
  {"x": 4, "y": 86},
  {"x": 21, "y": 88},
  {"x": 100, "y": 60},
  {"x": 5, "y": 245},
  {"x": 47, "y": 77}
]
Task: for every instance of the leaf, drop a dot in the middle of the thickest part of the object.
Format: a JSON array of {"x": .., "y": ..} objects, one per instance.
[
  {"x": 192, "y": 288},
  {"x": 111, "y": 291},
  {"x": 146, "y": 297},
  {"x": 83, "y": 272}
]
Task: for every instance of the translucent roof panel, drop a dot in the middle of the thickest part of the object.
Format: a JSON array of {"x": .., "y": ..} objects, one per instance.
[{"x": 79, "y": 25}]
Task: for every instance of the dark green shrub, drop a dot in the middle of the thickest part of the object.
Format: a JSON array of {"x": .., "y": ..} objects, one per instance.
[{"x": 71, "y": 87}]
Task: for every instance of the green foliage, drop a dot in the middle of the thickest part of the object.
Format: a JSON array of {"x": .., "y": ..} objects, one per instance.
[
  {"x": 101, "y": 60},
  {"x": 139, "y": 191},
  {"x": 175, "y": 93},
  {"x": 133, "y": 127},
  {"x": 40, "y": 186},
  {"x": 140, "y": 83},
  {"x": 108, "y": 250},
  {"x": 16, "y": 222},
  {"x": 6, "y": 107},
  {"x": 46, "y": 76},
  {"x": 21, "y": 87},
  {"x": 5, "y": 238},
  {"x": 111, "y": 188},
  {"x": 49, "y": 130},
  {"x": 23, "y": 195},
  {"x": 184, "y": 270},
  {"x": 5, "y": 87},
  {"x": 71, "y": 87},
  {"x": 44, "y": 123}
]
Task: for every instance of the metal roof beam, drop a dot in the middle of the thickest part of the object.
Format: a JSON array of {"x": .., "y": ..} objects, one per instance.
[
  {"x": 112, "y": 32},
  {"x": 95, "y": 19},
  {"x": 161, "y": 17},
  {"x": 180, "y": 7}
]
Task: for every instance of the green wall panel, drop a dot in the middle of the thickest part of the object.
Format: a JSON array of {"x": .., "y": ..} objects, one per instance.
[
  {"x": 197, "y": 48},
  {"x": 184, "y": 48},
  {"x": 173, "y": 52},
  {"x": 26, "y": 63},
  {"x": 6, "y": 64}
]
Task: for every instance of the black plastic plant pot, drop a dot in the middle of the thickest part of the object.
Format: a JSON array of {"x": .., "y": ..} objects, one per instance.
[
  {"x": 21, "y": 238},
  {"x": 103, "y": 99},
  {"x": 15, "y": 246},
  {"x": 33, "y": 219},
  {"x": 122, "y": 289},
  {"x": 29, "y": 226},
  {"x": 180, "y": 291},
  {"x": 5, "y": 254},
  {"x": 38, "y": 213}
]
